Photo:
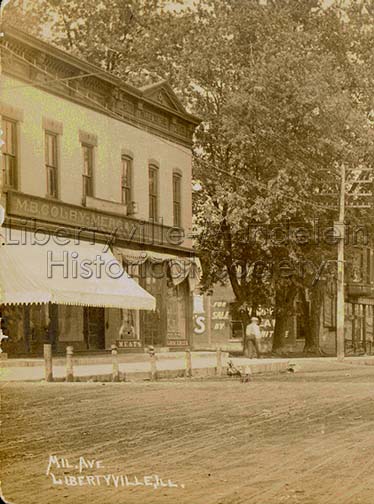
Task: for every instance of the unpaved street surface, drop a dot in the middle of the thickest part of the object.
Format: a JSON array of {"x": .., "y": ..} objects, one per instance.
[{"x": 290, "y": 438}]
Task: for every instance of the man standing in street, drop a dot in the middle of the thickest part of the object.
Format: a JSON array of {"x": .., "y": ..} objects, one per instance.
[{"x": 252, "y": 336}]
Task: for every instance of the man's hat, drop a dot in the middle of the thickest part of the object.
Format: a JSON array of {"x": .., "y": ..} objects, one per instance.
[{"x": 255, "y": 318}]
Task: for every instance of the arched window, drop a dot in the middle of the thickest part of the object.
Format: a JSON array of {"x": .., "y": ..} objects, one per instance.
[
  {"x": 87, "y": 170},
  {"x": 177, "y": 199},
  {"x": 9, "y": 152},
  {"x": 51, "y": 163},
  {"x": 153, "y": 191},
  {"x": 126, "y": 181}
]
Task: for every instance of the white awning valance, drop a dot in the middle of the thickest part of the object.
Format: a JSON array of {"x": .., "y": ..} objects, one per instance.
[
  {"x": 37, "y": 270},
  {"x": 136, "y": 257}
]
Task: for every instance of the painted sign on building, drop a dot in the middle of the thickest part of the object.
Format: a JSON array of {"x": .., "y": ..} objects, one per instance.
[
  {"x": 129, "y": 344},
  {"x": 220, "y": 315},
  {"x": 267, "y": 325},
  {"x": 212, "y": 319}
]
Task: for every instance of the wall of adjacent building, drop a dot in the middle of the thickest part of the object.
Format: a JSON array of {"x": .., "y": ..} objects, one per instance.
[{"x": 216, "y": 325}]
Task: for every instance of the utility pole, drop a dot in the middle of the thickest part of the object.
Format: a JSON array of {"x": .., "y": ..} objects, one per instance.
[
  {"x": 355, "y": 187},
  {"x": 340, "y": 310}
]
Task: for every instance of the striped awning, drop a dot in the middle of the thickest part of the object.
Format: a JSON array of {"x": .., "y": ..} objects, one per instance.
[{"x": 43, "y": 268}]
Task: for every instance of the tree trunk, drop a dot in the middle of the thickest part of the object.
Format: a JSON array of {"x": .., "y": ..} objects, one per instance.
[
  {"x": 239, "y": 293},
  {"x": 284, "y": 299},
  {"x": 280, "y": 332},
  {"x": 245, "y": 318},
  {"x": 313, "y": 334},
  {"x": 306, "y": 324}
]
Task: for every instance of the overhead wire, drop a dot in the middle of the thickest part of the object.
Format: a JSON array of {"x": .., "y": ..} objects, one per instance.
[
  {"x": 120, "y": 117},
  {"x": 107, "y": 110}
]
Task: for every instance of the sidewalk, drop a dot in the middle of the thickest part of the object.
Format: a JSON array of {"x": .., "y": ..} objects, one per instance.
[
  {"x": 169, "y": 365},
  {"x": 133, "y": 366}
]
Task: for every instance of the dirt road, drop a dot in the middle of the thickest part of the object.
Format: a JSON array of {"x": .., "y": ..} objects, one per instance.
[{"x": 303, "y": 438}]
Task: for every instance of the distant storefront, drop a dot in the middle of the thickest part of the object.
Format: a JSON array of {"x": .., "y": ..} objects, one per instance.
[
  {"x": 217, "y": 324},
  {"x": 169, "y": 280},
  {"x": 358, "y": 327}
]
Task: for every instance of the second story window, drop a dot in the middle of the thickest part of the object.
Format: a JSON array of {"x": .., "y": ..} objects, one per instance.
[
  {"x": 177, "y": 183},
  {"x": 126, "y": 181},
  {"x": 153, "y": 192},
  {"x": 87, "y": 170},
  {"x": 9, "y": 153},
  {"x": 51, "y": 164}
]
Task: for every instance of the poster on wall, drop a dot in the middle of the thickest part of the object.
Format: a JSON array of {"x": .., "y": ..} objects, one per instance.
[{"x": 267, "y": 325}]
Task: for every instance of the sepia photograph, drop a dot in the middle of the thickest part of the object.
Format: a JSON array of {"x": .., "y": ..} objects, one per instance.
[{"x": 186, "y": 251}]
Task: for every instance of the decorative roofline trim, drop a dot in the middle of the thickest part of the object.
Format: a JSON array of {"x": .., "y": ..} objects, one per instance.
[{"x": 80, "y": 64}]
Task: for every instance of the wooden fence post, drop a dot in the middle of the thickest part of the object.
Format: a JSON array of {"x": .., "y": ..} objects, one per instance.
[
  {"x": 188, "y": 364},
  {"x": 219, "y": 362},
  {"x": 115, "y": 372},
  {"x": 48, "y": 369},
  {"x": 69, "y": 364},
  {"x": 152, "y": 357}
]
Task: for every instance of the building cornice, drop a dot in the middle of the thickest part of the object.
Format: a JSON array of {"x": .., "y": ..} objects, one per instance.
[{"x": 38, "y": 63}]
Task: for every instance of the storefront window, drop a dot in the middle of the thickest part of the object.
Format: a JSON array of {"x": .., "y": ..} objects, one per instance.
[
  {"x": 70, "y": 323},
  {"x": 26, "y": 327},
  {"x": 176, "y": 312},
  {"x": 237, "y": 325},
  {"x": 130, "y": 318},
  {"x": 12, "y": 326},
  {"x": 167, "y": 325},
  {"x": 348, "y": 321},
  {"x": 94, "y": 327},
  {"x": 369, "y": 322},
  {"x": 128, "y": 326},
  {"x": 153, "y": 280}
]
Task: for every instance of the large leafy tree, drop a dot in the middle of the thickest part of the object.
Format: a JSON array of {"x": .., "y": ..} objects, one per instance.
[
  {"x": 109, "y": 33},
  {"x": 284, "y": 91},
  {"x": 296, "y": 120}
]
